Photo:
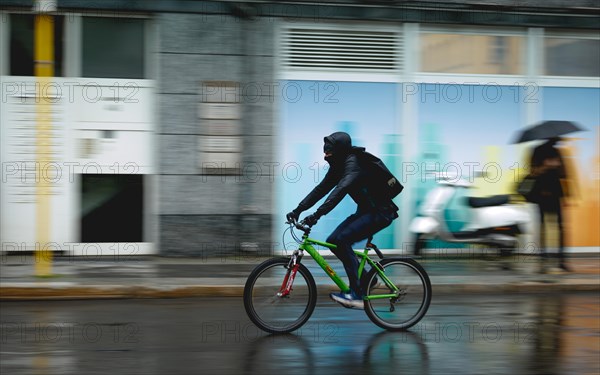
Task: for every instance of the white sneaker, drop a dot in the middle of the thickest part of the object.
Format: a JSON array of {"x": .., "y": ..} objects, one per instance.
[{"x": 349, "y": 300}]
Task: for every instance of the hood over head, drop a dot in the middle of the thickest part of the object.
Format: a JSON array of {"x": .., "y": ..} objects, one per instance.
[{"x": 339, "y": 145}]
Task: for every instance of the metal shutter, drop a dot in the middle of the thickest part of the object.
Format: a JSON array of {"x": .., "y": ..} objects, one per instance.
[{"x": 341, "y": 50}]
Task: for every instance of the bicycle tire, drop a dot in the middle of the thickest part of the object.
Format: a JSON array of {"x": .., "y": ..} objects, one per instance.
[
  {"x": 272, "y": 313},
  {"x": 410, "y": 306}
]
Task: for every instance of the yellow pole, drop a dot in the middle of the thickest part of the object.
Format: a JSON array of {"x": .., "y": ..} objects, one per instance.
[{"x": 44, "y": 71}]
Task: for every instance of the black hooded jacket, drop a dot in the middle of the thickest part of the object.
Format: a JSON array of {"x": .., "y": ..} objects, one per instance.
[{"x": 346, "y": 175}]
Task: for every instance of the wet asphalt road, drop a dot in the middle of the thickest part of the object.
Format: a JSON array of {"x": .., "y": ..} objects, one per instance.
[{"x": 476, "y": 334}]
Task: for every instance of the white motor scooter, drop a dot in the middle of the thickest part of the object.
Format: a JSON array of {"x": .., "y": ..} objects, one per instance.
[{"x": 495, "y": 222}]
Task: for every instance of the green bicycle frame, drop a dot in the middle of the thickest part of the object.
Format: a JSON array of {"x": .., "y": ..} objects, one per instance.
[{"x": 307, "y": 245}]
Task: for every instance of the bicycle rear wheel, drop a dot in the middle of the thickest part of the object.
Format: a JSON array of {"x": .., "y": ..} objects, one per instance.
[
  {"x": 272, "y": 312},
  {"x": 398, "y": 310}
]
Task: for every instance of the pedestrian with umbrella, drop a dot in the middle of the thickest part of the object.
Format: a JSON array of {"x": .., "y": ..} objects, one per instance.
[{"x": 547, "y": 171}]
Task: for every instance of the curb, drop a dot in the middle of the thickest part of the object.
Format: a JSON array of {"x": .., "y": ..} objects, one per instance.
[{"x": 91, "y": 292}]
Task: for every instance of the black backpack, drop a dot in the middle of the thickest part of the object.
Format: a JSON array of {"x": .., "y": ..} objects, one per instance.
[{"x": 386, "y": 183}]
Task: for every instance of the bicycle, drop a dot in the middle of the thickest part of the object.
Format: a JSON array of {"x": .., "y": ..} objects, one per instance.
[{"x": 396, "y": 297}]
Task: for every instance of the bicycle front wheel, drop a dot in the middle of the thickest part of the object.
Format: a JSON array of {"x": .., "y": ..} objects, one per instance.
[
  {"x": 268, "y": 308},
  {"x": 400, "y": 307}
]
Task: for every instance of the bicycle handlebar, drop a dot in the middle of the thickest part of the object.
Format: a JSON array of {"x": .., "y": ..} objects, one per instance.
[{"x": 300, "y": 225}]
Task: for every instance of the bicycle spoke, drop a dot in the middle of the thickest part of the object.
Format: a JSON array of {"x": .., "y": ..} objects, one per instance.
[
  {"x": 272, "y": 311},
  {"x": 411, "y": 297}
]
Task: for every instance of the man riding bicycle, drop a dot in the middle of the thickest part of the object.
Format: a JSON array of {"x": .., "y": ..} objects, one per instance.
[{"x": 375, "y": 211}]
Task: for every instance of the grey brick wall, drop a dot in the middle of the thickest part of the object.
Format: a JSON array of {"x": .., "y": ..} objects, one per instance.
[{"x": 213, "y": 215}]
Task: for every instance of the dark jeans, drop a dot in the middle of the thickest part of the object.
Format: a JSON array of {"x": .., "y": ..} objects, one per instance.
[
  {"x": 548, "y": 210},
  {"x": 355, "y": 228}
]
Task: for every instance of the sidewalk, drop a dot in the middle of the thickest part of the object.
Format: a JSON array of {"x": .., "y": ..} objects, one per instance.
[{"x": 160, "y": 277}]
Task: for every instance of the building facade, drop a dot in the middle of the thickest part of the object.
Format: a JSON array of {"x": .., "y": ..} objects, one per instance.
[{"x": 189, "y": 128}]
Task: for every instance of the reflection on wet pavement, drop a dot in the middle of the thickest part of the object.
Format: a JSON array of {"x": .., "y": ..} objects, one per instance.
[{"x": 476, "y": 334}]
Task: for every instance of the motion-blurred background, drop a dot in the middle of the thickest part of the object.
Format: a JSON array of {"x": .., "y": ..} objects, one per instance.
[{"x": 180, "y": 127}]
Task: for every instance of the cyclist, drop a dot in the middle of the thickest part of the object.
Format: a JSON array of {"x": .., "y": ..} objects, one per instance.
[{"x": 347, "y": 175}]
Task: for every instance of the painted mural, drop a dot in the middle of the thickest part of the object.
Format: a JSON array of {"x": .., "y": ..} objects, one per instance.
[
  {"x": 311, "y": 110},
  {"x": 461, "y": 129}
]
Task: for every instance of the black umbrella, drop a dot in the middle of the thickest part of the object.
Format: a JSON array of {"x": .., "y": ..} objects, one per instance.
[{"x": 546, "y": 130}]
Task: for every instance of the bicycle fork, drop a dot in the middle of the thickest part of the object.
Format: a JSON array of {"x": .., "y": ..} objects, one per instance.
[{"x": 290, "y": 275}]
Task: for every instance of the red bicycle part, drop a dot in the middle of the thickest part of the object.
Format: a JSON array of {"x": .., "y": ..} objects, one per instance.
[{"x": 286, "y": 286}]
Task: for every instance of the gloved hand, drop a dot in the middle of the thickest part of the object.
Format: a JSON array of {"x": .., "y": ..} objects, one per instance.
[
  {"x": 311, "y": 220},
  {"x": 292, "y": 216}
]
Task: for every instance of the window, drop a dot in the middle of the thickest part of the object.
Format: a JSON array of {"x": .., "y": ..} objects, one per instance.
[
  {"x": 471, "y": 54},
  {"x": 112, "y": 208},
  {"x": 572, "y": 57},
  {"x": 22, "y": 43},
  {"x": 498, "y": 50},
  {"x": 113, "y": 47}
]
